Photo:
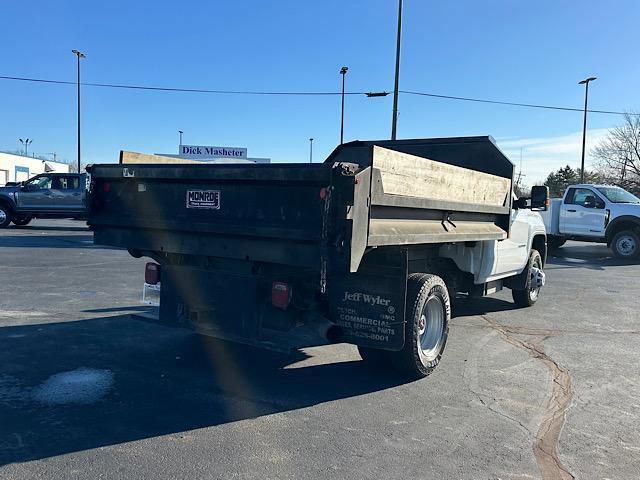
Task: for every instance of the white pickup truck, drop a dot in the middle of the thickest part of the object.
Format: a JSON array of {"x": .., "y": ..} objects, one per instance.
[{"x": 595, "y": 213}]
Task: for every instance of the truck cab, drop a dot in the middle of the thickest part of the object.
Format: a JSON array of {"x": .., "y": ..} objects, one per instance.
[
  {"x": 52, "y": 195},
  {"x": 596, "y": 213}
]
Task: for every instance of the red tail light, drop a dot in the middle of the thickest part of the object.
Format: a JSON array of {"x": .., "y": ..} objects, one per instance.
[
  {"x": 280, "y": 295},
  {"x": 152, "y": 273}
]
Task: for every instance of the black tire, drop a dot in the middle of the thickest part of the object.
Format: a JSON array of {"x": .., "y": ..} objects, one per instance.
[
  {"x": 5, "y": 216},
  {"x": 528, "y": 296},
  {"x": 554, "y": 241},
  {"x": 21, "y": 220},
  {"x": 626, "y": 244},
  {"x": 426, "y": 333}
]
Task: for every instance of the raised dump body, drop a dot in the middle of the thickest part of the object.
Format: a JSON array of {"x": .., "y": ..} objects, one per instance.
[{"x": 266, "y": 254}]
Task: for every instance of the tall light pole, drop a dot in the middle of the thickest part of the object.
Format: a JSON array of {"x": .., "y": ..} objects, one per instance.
[
  {"x": 180, "y": 132},
  {"x": 343, "y": 72},
  {"x": 584, "y": 82},
  {"x": 79, "y": 55},
  {"x": 311, "y": 150},
  {"x": 394, "y": 120},
  {"x": 26, "y": 144}
]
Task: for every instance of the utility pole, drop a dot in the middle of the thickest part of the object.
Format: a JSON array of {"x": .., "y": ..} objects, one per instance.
[
  {"x": 394, "y": 121},
  {"x": 311, "y": 150},
  {"x": 584, "y": 125},
  {"x": 180, "y": 132},
  {"x": 343, "y": 72},
  {"x": 79, "y": 55}
]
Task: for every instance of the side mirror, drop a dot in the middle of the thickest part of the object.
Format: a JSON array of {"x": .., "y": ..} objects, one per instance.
[
  {"x": 590, "y": 201},
  {"x": 540, "y": 197}
]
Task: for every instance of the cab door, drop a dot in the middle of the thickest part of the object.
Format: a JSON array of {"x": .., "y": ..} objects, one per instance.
[
  {"x": 70, "y": 193},
  {"x": 583, "y": 213},
  {"x": 37, "y": 194},
  {"x": 513, "y": 253}
]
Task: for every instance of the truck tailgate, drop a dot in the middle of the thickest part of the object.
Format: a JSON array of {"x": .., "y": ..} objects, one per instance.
[{"x": 258, "y": 212}]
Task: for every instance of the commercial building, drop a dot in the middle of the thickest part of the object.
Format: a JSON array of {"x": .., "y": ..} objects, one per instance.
[{"x": 18, "y": 168}]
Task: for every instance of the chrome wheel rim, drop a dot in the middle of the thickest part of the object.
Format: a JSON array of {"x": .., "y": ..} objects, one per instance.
[
  {"x": 3, "y": 215},
  {"x": 534, "y": 290},
  {"x": 626, "y": 245},
  {"x": 430, "y": 328}
]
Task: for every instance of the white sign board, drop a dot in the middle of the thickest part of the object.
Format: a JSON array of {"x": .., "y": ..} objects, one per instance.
[{"x": 203, "y": 151}]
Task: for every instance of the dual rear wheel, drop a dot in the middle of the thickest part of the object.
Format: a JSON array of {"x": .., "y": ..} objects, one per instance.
[{"x": 428, "y": 312}]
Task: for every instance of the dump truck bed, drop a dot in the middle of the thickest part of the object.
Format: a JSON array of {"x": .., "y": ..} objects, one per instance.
[{"x": 365, "y": 195}]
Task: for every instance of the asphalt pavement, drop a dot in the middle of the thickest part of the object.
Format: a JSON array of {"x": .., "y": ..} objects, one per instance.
[{"x": 88, "y": 391}]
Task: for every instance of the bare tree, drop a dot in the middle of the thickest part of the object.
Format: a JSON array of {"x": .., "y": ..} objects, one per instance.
[{"x": 618, "y": 154}]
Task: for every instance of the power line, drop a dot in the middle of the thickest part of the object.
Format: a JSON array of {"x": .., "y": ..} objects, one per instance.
[
  {"x": 170, "y": 89},
  {"x": 514, "y": 104},
  {"x": 302, "y": 93}
]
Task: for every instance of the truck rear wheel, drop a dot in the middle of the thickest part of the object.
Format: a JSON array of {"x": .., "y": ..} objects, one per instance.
[
  {"x": 626, "y": 244},
  {"x": 5, "y": 216},
  {"x": 529, "y": 295},
  {"x": 427, "y": 314},
  {"x": 21, "y": 220}
]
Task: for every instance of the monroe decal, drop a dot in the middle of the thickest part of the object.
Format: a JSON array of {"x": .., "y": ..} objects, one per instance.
[{"x": 203, "y": 199}]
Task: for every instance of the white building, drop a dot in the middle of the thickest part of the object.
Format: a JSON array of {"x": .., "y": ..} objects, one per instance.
[
  {"x": 18, "y": 168},
  {"x": 210, "y": 154}
]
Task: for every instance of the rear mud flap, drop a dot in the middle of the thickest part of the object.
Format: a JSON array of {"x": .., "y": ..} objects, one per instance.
[{"x": 369, "y": 305}]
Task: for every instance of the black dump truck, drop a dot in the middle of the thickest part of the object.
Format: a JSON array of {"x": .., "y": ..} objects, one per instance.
[{"x": 366, "y": 248}]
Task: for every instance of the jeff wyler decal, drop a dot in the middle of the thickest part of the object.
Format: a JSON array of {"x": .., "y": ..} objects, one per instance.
[{"x": 203, "y": 199}]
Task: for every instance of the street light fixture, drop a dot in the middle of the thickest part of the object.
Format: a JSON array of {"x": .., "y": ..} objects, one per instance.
[
  {"x": 26, "y": 144},
  {"x": 79, "y": 55},
  {"x": 180, "y": 132},
  {"x": 343, "y": 72},
  {"x": 584, "y": 82}
]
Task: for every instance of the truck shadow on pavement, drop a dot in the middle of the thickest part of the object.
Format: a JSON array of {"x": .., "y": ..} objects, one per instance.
[
  {"x": 50, "y": 241},
  {"x": 72, "y": 386},
  {"x": 50, "y": 228},
  {"x": 589, "y": 256},
  {"x": 466, "y": 307}
]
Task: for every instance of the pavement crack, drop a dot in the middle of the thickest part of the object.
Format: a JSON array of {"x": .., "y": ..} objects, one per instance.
[
  {"x": 546, "y": 438},
  {"x": 494, "y": 410}
]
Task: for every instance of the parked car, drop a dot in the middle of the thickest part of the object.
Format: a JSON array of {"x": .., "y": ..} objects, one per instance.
[
  {"x": 50, "y": 195},
  {"x": 595, "y": 213}
]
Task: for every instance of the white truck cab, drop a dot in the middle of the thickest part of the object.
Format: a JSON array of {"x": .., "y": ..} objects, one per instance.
[
  {"x": 596, "y": 213},
  {"x": 514, "y": 261}
]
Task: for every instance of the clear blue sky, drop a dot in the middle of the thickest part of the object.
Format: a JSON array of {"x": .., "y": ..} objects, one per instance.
[{"x": 533, "y": 52}]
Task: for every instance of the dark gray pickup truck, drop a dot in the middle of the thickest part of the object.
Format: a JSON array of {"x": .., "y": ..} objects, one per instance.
[{"x": 49, "y": 195}]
